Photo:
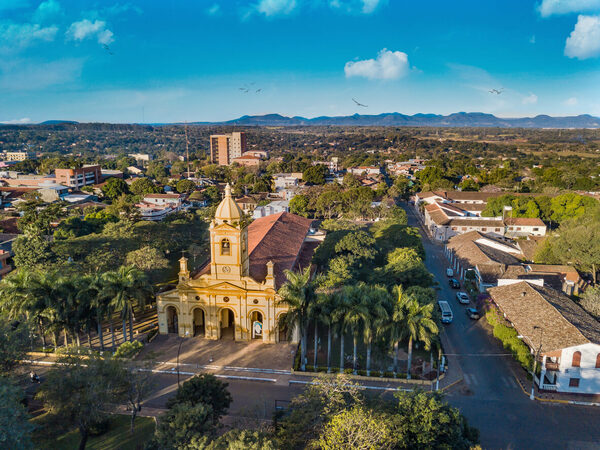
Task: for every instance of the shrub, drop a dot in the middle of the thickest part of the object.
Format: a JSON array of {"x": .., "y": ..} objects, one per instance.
[
  {"x": 321, "y": 369},
  {"x": 128, "y": 349},
  {"x": 375, "y": 373},
  {"x": 310, "y": 368},
  {"x": 362, "y": 373},
  {"x": 508, "y": 336},
  {"x": 349, "y": 371},
  {"x": 388, "y": 374}
]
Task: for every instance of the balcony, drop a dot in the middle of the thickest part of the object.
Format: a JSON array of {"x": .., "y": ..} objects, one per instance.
[{"x": 552, "y": 365}]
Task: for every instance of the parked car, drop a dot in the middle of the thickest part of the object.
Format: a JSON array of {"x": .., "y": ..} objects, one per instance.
[
  {"x": 446, "y": 311},
  {"x": 462, "y": 298},
  {"x": 454, "y": 283},
  {"x": 449, "y": 272},
  {"x": 472, "y": 313}
]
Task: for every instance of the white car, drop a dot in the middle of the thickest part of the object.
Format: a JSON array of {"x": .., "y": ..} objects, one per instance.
[
  {"x": 449, "y": 272},
  {"x": 462, "y": 298}
]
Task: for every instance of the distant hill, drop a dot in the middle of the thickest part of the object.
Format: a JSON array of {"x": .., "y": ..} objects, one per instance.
[
  {"x": 57, "y": 122},
  {"x": 461, "y": 119}
]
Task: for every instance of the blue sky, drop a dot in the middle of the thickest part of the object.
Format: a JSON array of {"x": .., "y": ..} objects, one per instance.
[{"x": 176, "y": 60}]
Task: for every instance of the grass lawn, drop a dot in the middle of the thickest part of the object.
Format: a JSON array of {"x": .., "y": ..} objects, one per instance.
[{"x": 118, "y": 436}]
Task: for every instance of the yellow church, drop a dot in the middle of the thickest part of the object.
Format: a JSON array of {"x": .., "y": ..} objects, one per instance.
[{"x": 234, "y": 296}]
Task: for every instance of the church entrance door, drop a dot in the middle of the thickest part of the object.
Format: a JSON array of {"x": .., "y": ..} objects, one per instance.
[
  {"x": 256, "y": 324},
  {"x": 172, "y": 321},
  {"x": 227, "y": 324},
  {"x": 199, "y": 323}
]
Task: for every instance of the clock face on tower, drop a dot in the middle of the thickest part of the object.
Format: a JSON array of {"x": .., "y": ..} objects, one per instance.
[{"x": 226, "y": 269}]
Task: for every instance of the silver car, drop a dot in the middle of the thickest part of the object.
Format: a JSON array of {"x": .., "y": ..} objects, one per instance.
[{"x": 462, "y": 298}]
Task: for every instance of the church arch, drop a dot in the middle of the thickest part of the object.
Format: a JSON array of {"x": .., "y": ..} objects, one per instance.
[
  {"x": 256, "y": 321},
  {"x": 172, "y": 319},
  {"x": 199, "y": 322},
  {"x": 227, "y": 323},
  {"x": 225, "y": 247},
  {"x": 282, "y": 331}
]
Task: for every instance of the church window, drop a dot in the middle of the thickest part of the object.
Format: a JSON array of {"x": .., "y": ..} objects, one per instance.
[{"x": 225, "y": 247}]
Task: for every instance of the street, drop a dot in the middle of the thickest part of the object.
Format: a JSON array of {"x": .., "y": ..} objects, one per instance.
[{"x": 489, "y": 396}]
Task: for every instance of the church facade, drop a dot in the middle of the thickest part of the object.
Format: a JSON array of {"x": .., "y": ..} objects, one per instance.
[{"x": 234, "y": 296}]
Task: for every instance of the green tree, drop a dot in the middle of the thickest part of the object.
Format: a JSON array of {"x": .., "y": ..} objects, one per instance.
[
  {"x": 315, "y": 174},
  {"x": 374, "y": 324},
  {"x": 79, "y": 390},
  {"x": 14, "y": 344},
  {"x": 350, "y": 181},
  {"x": 590, "y": 301},
  {"x": 185, "y": 426},
  {"x": 204, "y": 389},
  {"x": 299, "y": 205},
  {"x": 418, "y": 323},
  {"x": 157, "y": 171},
  {"x": 126, "y": 286},
  {"x": 114, "y": 188},
  {"x": 147, "y": 258},
  {"x": 243, "y": 440},
  {"x": 185, "y": 186},
  {"x": 144, "y": 186},
  {"x": 423, "y": 420},
  {"x": 15, "y": 428},
  {"x": 297, "y": 294},
  {"x": 32, "y": 248},
  {"x": 404, "y": 266},
  {"x": 356, "y": 428},
  {"x": 571, "y": 206}
]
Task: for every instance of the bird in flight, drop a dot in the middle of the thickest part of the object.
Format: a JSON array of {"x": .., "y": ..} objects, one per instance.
[
  {"x": 107, "y": 48},
  {"x": 359, "y": 104},
  {"x": 244, "y": 90},
  {"x": 258, "y": 91},
  {"x": 496, "y": 91}
]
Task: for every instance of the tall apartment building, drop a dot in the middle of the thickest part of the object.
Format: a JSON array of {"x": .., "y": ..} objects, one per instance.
[
  {"x": 77, "y": 178},
  {"x": 225, "y": 147}
]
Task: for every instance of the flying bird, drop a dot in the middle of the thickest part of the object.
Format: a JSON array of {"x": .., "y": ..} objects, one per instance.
[
  {"x": 258, "y": 91},
  {"x": 496, "y": 91},
  {"x": 107, "y": 48},
  {"x": 244, "y": 90},
  {"x": 359, "y": 104}
]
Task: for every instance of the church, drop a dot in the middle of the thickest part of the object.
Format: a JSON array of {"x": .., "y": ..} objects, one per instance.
[{"x": 234, "y": 296}]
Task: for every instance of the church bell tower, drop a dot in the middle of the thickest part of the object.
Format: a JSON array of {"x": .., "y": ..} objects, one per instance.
[{"x": 228, "y": 241}]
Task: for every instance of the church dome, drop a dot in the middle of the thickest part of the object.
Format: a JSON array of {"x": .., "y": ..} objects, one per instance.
[{"x": 228, "y": 210}]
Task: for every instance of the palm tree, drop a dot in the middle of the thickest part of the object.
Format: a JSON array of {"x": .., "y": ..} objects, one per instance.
[
  {"x": 328, "y": 304},
  {"x": 124, "y": 286},
  {"x": 298, "y": 293},
  {"x": 396, "y": 326},
  {"x": 92, "y": 290},
  {"x": 418, "y": 323},
  {"x": 339, "y": 315},
  {"x": 374, "y": 323},
  {"x": 356, "y": 315}
]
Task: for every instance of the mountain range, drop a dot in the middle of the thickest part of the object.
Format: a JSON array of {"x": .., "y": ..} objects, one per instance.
[{"x": 461, "y": 119}]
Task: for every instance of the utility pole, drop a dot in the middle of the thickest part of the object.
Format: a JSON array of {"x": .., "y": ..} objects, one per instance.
[
  {"x": 187, "y": 150},
  {"x": 536, "y": 355}
]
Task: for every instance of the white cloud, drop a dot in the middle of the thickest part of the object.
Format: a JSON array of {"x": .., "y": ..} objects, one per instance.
[
  {"x": 275, "y": 7},
  {"x": 572, "y": 101},
  {"x": 388, "y": 65},
  {"x": 86, "y": 29},
  {"x": 531, "y": 99},
  {"x": 532, "y": 39},
  {"x": 22, "y": 121},
  {"x": 46, "y": 10},
  {"x": 552, "y": 7},
  {"x": 18, "y": 36},
  {"x": 357, "y": 6},
  {"x": 584, "y": 40},
  {"x": 214, "y": 10}
]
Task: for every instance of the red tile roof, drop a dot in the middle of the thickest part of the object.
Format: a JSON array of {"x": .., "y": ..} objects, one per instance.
[
  {"x": 524, "y": 221},
  {"x": 278, "y": 238}
]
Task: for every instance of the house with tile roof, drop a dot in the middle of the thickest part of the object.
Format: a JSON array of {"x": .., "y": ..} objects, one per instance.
[
  {"x": 563, "y": 337},
  {"x": 234, "y": 295}
]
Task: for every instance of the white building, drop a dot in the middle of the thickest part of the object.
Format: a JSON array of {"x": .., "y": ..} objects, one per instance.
[
  {"x": 286, "y": 180},
  {"x": 524, "y": 226},
  {"x": 275, "y": 207},
  {"x": 164, "y": 199},
  {"x": 564, "y": 338},
  {"x": 365, "y": 170}
]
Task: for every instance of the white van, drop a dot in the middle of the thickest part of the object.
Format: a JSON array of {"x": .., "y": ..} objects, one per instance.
[
  {"x": 449, "y": 272},
  {"x": 446, "y": 311}
]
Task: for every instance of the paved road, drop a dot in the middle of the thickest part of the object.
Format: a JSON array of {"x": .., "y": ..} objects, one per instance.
[{"x": 489, "y": 396}]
